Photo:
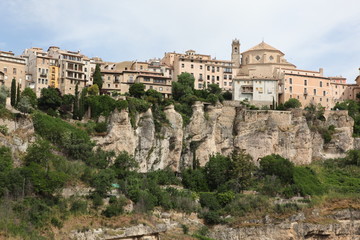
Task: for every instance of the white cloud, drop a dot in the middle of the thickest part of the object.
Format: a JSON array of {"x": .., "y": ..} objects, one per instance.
[{"x": 312, "y": 34}]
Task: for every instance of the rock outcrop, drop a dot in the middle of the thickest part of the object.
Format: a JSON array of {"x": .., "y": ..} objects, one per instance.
[
  {"x": 341, "y": 225},
  {"x": 18, "y": 135},
  {"x": 223, "y": 129}
]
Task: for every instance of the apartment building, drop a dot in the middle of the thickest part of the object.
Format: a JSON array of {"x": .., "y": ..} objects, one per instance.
[
  {"x": 203, "y": 68},
  {"x": 71, "y": 69},
  {"x": 43, "y": 68},
  {"x": 12, "y": 67},
  {"x": 118, "y": 77}
]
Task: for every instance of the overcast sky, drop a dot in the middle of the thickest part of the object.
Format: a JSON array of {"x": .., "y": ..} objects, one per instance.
[{"x": 311, "y": 33}]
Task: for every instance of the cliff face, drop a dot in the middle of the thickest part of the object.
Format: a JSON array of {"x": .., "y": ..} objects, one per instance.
[
  {"x": 18, "y": 135},
  {"x": 342, "y": 225},
  {"x": 222, "y": 129}
]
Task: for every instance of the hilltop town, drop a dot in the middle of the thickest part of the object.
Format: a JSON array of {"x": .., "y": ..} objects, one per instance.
[{"x": 260, "y": 75}]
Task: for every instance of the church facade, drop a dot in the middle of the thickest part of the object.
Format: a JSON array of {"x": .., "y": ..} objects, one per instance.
[{"x": 266, "y": 78}]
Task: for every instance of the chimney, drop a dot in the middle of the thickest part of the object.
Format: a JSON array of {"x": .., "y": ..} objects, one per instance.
[{"x": 321, "y": 70}]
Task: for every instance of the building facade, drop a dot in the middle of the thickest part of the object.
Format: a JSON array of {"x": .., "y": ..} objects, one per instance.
[
  {"x": 12, "y": 67},
  {"x": 203, "y": 68}
]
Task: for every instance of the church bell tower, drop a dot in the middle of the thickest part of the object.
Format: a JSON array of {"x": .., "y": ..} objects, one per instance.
[{"x": 235, "y": 53}]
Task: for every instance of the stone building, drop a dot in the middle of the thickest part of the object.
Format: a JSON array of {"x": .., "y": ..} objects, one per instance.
[
  {"x": 12, "y": 67},
  {"x": 265, "y": 77},
  {"x": 203, "y": 68},
  {"x": 118, "y": 77},
  {"x": 43, "y": 68},
  {"x": 72, "y": 69}
]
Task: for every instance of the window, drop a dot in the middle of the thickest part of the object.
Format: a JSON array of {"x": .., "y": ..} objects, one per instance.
[
  {"x": 208, "y": 68},
  {"x": 5, "y": 69},
  {"x": 217, "y": 78},
  {"x": 182, "y": 65},
  {"x": 213, "y": 78},
  {"x": 192, "y": 65},
  {"x": 305, "y": 82},
  {"x": 14, "y": 71},
  {"x": 314, "y": 91},
  {"x": 290, "y": 80},
  {"x": 200, "y": 85},
  {"x": 108, "y": 85},
  {"x": 225, "y": 76},
  {"x": 320, "y": 99},
  {"x": 218, "y": 69},
  {"x": 290, "y": 89},
  {"x": 324, "y": 93},
  {"x": 327, "y": 84},
  {"x": 320, "y": 83},
  {"x": 208, "y": 77},
  {"x": 200, "y": 76},
  {"x": 201, "y": 67},
  {"x": 230, "y": 77},
  {"x": 225, "y": 83},
  {"x": 108, "y": 77}
]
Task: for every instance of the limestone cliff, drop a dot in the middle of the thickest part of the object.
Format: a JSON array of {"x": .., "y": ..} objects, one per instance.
[
  {"x": 222, "y": 129},
  {"x": 18, "y": 135}
]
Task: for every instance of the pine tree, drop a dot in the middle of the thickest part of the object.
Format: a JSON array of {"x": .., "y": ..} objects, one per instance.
[
  {"x": 76, "y": 103},
  {"x": 18, "y": 94},
  {"x": 13, "y": 93},
  {"x": 97, "y": 77}
]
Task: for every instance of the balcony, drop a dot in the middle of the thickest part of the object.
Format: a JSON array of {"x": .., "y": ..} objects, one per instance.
[
  {"x": 44, "y": 75},
  {"x": 247, "y": 89},
  {"x": 305, "y": 92},
  {"x": 201, "y": 79}
]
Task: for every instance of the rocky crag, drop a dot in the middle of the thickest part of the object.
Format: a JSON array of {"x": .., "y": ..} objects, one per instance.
[
  {"x": 17, "y": 134},
  {"x": 223, "y": 129}
]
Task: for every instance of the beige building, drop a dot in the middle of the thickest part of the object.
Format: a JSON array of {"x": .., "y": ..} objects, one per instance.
[
  {"x": 206, "y": 70},
  {"x": 43, "y": 68},
  {"x": 265, "y": 77},
  {"x": 117, "y": 77},
  {"x": 12, "y": 67},
  {"x": 257, "y": 79},
  {"x": 71, "y": 69}
]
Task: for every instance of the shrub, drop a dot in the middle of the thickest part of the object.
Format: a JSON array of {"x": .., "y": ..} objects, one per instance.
[
  {"x": 292, "y": 103},
  {"x": 209, "y": 200},
  {"x": 115, "y": 208},
  {"x": 195, "y": 180},
  {"x": 278, "y": 166},
  {"x": 101, "y": 127},
  {"x": 79, "y": 207},
  {"x": 212, "y": 217}
]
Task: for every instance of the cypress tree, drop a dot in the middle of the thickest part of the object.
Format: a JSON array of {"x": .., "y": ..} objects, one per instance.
[
  {"x": 97, "y": 77},
  {"x": 13, "y": 93},
  {"x": 18, "y": 94},
  {"x": 82, "y": 103},
  {"x": 76, "y": 103}
]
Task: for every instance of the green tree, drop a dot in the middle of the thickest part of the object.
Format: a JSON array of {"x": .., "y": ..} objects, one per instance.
[
  {"x": 93, "y": 90},
  {"x": 13, "y": 93},
  {"x": 97, "y": 77},
  {"x": 227, "y": 95},
  {"x": 18, "y": 94},
  {"x": 24, "y": 105},
  {"x": 3, "y": 95},
  {"x": 124, "y": 164},
  {"x": 137, "y": 90},
  {"x": 50, "y": 98},
  {"x": 218, "y": 171},
  {"x": 214, "y": 89},
  {"x": 195, "y": 180},
  {"x": 82, "y": 103},
  {"x": 6, "y": 162},
  {"x": 103, "y": 180},
  {"x": 276, "y": 165},
  {"x": 76, "y": 103},
  {"x": 184, "y": 86},
  {"x": 292, "y": 103},
  {"x": 28, "y": 92},
  {"x": 242, "y": 169}
]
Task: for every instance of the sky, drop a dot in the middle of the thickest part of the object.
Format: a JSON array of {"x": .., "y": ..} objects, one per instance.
[{"x": 313, "y": 34}]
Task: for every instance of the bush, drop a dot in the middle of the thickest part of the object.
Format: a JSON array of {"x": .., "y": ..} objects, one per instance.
[
  {"x": 209, "y": 200},
  {"x": 292, "y": 103},
  {"x": 101, "y": 127},
  {"x": 278, "y": 166},
  {"x": 79, "y": 207},
  {"x": 245, "y": 204},
  {"x": 212, "y": 217},
  {"x": 195, "y": 180},
  {"x": 115, "y": 208}
]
